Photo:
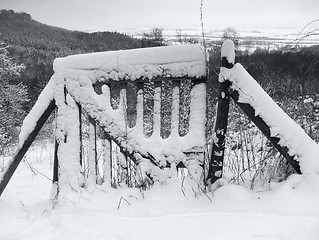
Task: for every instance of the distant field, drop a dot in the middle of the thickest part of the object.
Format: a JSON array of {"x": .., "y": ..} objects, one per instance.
[{"x": 249, "y": 39}]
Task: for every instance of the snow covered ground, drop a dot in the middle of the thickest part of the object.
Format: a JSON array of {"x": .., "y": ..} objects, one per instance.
[{"x": 289, "y": 210}]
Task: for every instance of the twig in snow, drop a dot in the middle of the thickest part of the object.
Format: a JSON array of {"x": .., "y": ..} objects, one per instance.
[
  {"x": 122, "y": 198},
  {"x": 35, "y": 170},
  {"x": 132, "y": 196},
  {"x": 200, "y": 187}
]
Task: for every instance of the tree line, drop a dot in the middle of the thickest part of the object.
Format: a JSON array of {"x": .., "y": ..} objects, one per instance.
[{"x": 36, "y": 45}]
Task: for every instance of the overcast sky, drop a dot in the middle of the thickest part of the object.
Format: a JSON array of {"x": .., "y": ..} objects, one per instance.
[{"x": 103, "y": 15}]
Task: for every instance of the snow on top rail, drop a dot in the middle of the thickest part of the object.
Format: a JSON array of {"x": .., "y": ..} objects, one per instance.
[{"x": 169, "y": 61}]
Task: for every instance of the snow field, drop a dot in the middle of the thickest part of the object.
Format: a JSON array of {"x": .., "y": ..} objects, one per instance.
[{"x": 288, "y": 211}]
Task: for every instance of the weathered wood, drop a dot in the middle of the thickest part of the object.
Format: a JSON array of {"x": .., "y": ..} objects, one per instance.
[
  {"x": 131, "y": 102},
  {"x": 148, "y": 108},
  {"x": 92, "y": 148},
  {"x": 55, "y": 163},
  {"x": 80, "y": 134},
  {"x": 25, "y": 146},
  {"x": 115, "y": 95},
  {"x": 97, "y": 85},
  {"x": 260, "y": 123},
  {"x": 184, "y": 106},
  {"x": 122, "y": 148},
  {"x": 220, "y": 129},
  {"x": 107, "y": 159},
  {"x": 166, "y": 108}
]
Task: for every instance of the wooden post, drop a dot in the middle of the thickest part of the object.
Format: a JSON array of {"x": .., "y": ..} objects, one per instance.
[
  {"x": 26, "y": 144},
  {"x": 80, "y": 133},
  {"x": 92, "y": 149},
  {"x": 55, "y": 163},
  {"x": 107, "y": 157},
  {"x": 220, "y": 127}
]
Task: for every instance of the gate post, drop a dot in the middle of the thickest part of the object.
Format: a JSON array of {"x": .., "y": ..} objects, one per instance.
[{"x": 220, "y": 125}]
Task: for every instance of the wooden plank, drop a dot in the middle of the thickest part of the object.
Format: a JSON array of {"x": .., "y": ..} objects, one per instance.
[
  {"x": 115, "y": 95},
  {"x": 55, "y": 163},
  {"x": 220, "y": 129},
  {"x": 25, "y": 146},
  {"x": 92, "y": 148},
  {"x": 166, "y": 108},
  {"x": 148, "y": 108},
  {"x": 80, "y": 134},
  {"x": 260, "y": 123},
  {"x": 131, "y": 104},
  {"x": 184, "y": 106},
  {"x": 107, "y": 159},
  {"x": 98, "y": 84},
  {"x": 123, "y": 149}
]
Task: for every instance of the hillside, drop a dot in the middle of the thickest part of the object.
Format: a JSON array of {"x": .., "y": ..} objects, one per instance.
[{"x": 37, "y": 45}]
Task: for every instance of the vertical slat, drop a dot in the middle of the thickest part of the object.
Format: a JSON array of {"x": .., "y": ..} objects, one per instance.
[
  {"x": 80, "y": 134},
  {"x": 220, "y": 128},
  {"x": 55, "y": 156},
  {"x": 92, "y": 149},
  {"x": 166, "y": 108},
  {"x": 55, "y": 163},
  {"x": 148, "y": 108},
  {"x": 115, "y": 94},
  {"x": 107, "y": 161},
  {"x": 131, "y": 101},
  {"x": 184, "y": 106}
]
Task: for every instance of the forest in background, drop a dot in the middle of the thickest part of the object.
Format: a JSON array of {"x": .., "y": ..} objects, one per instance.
[{"x": 36, "y": 45}]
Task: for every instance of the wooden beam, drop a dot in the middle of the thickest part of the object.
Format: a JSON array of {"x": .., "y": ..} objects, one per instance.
[
  {"x": 146, "y": 80},
  {"x": 25, "y": 146},
  {"x": 107, "y": 159},
  {"x": 92, "y": 148},
  {"x": 220, "y": 128},
  {"x": 260, "y": 123},
  {"x": 218, "y": 141},
  {"x": 55, "y": 162}
]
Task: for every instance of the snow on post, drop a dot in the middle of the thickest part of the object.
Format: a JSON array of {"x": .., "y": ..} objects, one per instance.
[
  {"x": 228, "y": 51},
  {"x": 70, "y": 178},
  {"x": 220, "y": 128},
  {"x": 80, "y": 72}
]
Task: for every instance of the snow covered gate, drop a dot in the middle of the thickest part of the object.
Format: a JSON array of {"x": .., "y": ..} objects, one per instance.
[{"x": 150, "y": 102}]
